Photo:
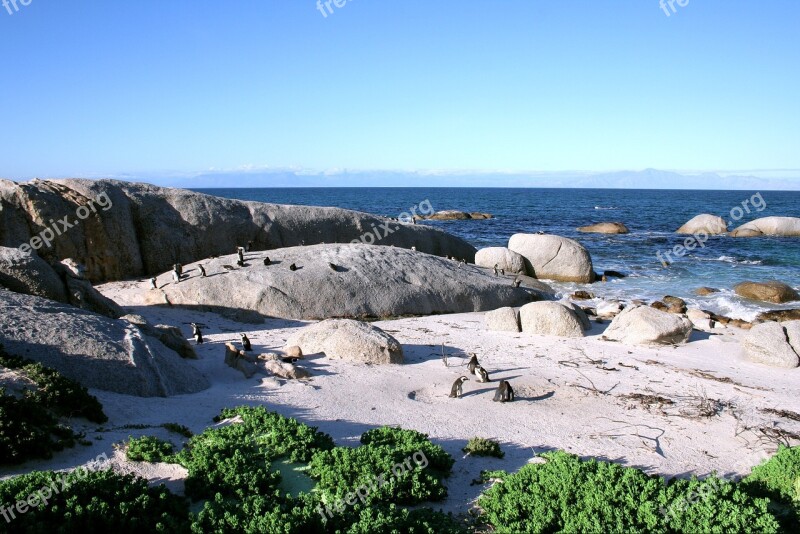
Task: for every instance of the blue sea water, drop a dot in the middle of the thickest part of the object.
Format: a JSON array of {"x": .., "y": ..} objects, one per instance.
[{"x": 651, "y": 215}]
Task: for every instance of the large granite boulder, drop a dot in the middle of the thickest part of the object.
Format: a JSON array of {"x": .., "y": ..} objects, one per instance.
[
  {"x": 505, "y": 259},
  {"x": 352, "y": 281},
  {"x": 170, "y": 336},
  {"x": 704, "y": 224},
  {"x": 132, "y": 230},
  {"x": 504, "y": 319},
  {"x": 454, "y": 215},
  {"x": 605, "y": 228},
  {"x": 771, "y": 291},
  {"x": 774, "y": 344},
  {"x": 550, "y": 319},
  {"x": 345, "y": 339},
  {"x": 94, "y": 350},
  {"x": 553, "y": 257},
  {"x": 643, "y": 325},
  {"x": 766, "y": 226}
]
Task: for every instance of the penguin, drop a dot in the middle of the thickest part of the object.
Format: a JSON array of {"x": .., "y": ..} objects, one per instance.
[
  {"x": 240, "y": 263},
  {"x": 414, "y": 249},
  {"x": 303, "y": 243},
  {"x": 504, "y": 393},
  {"x": 240, "y": 252},
  {"x": 496, "y": 270},
  {"x": 249, "y": 246},
  {"x": 457, "y": 389},
  {"x": 246, "y": 343},
  {"x": 176, "y": 277},
  {"x": 473, "y": 363},
  {"x": 197, "y": 333},
  {"x": 516, "y": 283},
  {"x": 178, "y": 268},
  {"x": 267, "y": 261},
  {"x": 202, "y": 270},
  {"x": 153, "y": 284},
  {"x": 293, "y": 267},
  {"x": 502, "y": 272},
  {"x": 483, "y": 374}
]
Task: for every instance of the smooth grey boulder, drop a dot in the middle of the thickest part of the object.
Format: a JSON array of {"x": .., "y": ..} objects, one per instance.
[
  {"x": 775, "y": 226},
  {"x": 771, "y": 291},
  {"x": 352, "y": 281},
  {"x": 550, "y": 319},
  {"x": 170, "y": 336},
  {"x": 643, "y": 325},
  {"x": 285, "y": 370},
  {"x": 30, "y": 274},
  {"x": 503, "y": 319},
  {"x": 553, "y": 257},
  {"x": 773, "y": 344},
  {"x": 579, "y": 313},
  {"x": 604, "y": 228},
  {"x": 704, "y": 224},
  {"x": 140, "y": 229},
  {"x": 92, "y": 349},
  {"x": 504, "y": 258},
  {"x": 700, "y": 320},
  {"x": 345, "y": 339}
]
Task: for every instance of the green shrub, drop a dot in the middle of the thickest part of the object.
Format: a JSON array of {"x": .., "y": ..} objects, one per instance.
[
  {"x": 392, "y": 519},
  {"x": 779, "y": 479},
  {"x": 257, "y": 514},
  {"x": 149, "y": 449},
  {"x": 567, "y": 494},
  {"x": 100, "y": 501},
  {"x": 175, "y": 428},
  {"x": 483, "y": 447}
]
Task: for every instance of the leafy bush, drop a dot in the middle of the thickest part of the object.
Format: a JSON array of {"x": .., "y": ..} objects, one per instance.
[
  {"x": 779, "y": 479},
  {"x": 100, "y": 501},
  {"x": 483, "y": 447},
  {"x": 567, "y": 494},
  {"x": 392, "y": 519},
  {"x": 259, "y": 513},
  {"x": 175, "y": 428},
  {"x": 149, "y": 449}
]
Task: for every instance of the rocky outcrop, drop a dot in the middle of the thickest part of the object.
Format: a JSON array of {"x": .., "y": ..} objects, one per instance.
[
  {"x": 780, "y": 315},
  {"x": 354, "y": 341},
  {"x": 771, "y": 291},
  {"x": 769, "y": 226},
  {"x": 94, "y": 350},
  {"x": 774, "y": 344},
  {"x": 605, "y": 228},
  {"x": 704, "y": 224},
  {"x": 352, "y": 281},
  {"x": 550, "y": 319},
  {"x": 705, "y": 291},
  {"x": 700, "y": 320},
  {"x": 643, "y": 325},
  {"x": 502, "y": 320},
  {"x": 286, "y": 370},
  {"x": 553, "y": 257},
  {"x": 454, "y": 215},
  {"x": 239, "y": 360},
  {"x": 131, "y": 230},
  {"x": 170, "y": 336},
  {"x": 504, "y": 258}
]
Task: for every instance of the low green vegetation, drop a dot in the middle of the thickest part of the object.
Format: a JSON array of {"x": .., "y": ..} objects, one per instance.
[
  {"x": 779, "y": 479},
  {"x": 483, "y": 447},
  {"x": 149, "y": 449},
  {"x": 175, "y": 428}
]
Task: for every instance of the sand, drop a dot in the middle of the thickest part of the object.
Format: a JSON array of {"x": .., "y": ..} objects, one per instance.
[{"x": 570, "y": 396}]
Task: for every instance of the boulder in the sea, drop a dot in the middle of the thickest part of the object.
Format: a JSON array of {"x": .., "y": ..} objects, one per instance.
[
  {"x": 94, "y": 350},
  {"x": 553, "y": 257},
  {"x": 643, "y": 325},
  {"x": 704, "y": 224},
  {"x": 780, "y": 315},
  {"x": 771, "y": 291},
  {"x": 581, "y": 295},
  {"x": 502, "y": 320},
  {"x": 769, "y": 226},
  {"x": 605, "y": 228},
  {"x": 369, "y": 281},
  {"x": 455, "y": 215},
  {"x": 705, "y": 291},
  {"x": 504, "y": 258},
  {"x": 774, "y": 344},
  {"x": 345, "y": 339},
  {"x": 550, "y": 319}
]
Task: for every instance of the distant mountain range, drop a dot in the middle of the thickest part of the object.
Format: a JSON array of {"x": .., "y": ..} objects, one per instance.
[{"x": 646, "y": 179}]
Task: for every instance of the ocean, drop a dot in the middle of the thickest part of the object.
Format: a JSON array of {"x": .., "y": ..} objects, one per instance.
[{"x": 651, "y": 215}]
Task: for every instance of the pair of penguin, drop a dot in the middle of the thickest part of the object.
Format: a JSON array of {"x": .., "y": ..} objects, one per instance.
[{"x": 504, "y": 392}]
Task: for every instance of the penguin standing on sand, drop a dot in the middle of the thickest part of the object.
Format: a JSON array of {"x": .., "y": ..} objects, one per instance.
[
  {"x": 246, "y": 343},
  {"x": 483, "y": 374},
  {"x": 504, "y": 393},
  {"x": 202, "y": 270},
  {"x": 516, "y": 283},
  {"x": 175, "y": 276},
  {"x": 178, "y": 268},
  {"x": 473, "y": 363},
  {"x": 240, "y": 253},
  {"x": 457, "y": 389},
  {"x": 197, "y": 333},
  {"x": 267, "y": 261},
  {"x": 496, "y": 270},
  {"x": 153, "y": 284},
  {"x": 293, "y": 267}
]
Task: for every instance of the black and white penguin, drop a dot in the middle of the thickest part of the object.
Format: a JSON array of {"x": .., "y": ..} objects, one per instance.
[
  {"x": 293, "y": 267},
  {"x": 267, "y": 261},
  {"x": 202, "y": 271},
  {"x": 504, "y": 392},
  {"x": 176, "y": 277},
  {"x": 240, "y": 263},
  {"x": 457, "y": 389},
  {"x": 483, "y": 374},
  {"x": 197, "y": 333},
  {"x": 153, "y": 284},
  {"x": 246, "y": 343},
  {"x": 473, "y": 363},
  {"x": 240, "y": 253},
  {"x": 516, "y": 283},
  {"x": 496, "y": 270}
]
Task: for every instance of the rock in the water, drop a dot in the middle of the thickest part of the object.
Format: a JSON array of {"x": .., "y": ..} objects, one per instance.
[
  {"x": 140, "y": 230},
  {"x": 605, "y": 228},
  {"x": 774, "y": 226},
  {"x": 553, "y": 257},
  {"x": 704, "y": 224},
  {"x": 371, "y": 282},
  {"x": 550, "y": 319},
  {"x": 502, "y": 320},
  {"x": 771, "y": 291},
  {"x": 581, "y": 295},
  {"x": 705, "y": 291},
  {"x": 345, "y": 339},
  {"x": 94, "y": 350},
  {"x": 774, "y": 344},
  {"x": 286, "y": 370},
  {"x": 454, "y": 215},
  {"x": 780, "y": 315},
  {"x": 30, "y": 274},
  {"x": 504, "y": 258},
  {"x": 643, "y": 325}
]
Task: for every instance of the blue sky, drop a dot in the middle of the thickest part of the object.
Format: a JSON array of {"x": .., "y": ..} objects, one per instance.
[{"x": 98, "y": 88}]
